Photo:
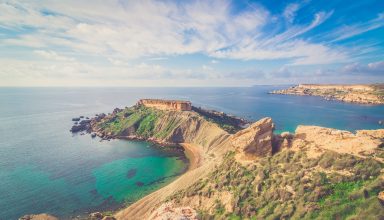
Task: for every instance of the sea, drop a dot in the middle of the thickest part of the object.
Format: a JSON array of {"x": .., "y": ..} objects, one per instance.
[{"x": 46, "y": 169}]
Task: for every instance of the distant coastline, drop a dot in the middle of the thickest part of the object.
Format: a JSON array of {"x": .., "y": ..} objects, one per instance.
[{"x": 372, "y": 94}]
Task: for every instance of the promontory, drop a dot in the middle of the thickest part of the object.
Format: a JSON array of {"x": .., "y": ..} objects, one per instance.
[
  {"x": 243, "y": 170},
  {"x": 361, "y": 94}
]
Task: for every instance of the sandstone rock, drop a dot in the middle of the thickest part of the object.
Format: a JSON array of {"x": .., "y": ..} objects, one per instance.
[
  {"x": 38, "y": 217},
  {"x": 381, "y": 197},
  {"x": 364, "y": 141},
  {"x": 169, "y": 211},
  {"x": 256, "y": 140},
  {"x": 379, "y": 133},
  {"x": 109, "y": 218}
]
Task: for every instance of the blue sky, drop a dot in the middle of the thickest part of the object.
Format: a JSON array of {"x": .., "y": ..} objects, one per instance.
[{"x": 190, "y": 43}]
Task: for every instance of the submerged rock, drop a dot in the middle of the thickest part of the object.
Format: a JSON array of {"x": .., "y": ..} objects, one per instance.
[{"x": 38, "y": 217}]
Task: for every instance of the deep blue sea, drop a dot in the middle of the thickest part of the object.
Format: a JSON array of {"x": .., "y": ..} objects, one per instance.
[{"x": 44, "y": 168}]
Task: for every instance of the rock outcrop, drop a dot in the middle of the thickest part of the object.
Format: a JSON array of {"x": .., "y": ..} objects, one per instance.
[
  {"x": 256, "y": 140},
  {"x": 364, "y": 142},
  {"x": 380, "y": 196},
  {"x": 362, "y": 94},
  {"x": 169, "y": 211}
]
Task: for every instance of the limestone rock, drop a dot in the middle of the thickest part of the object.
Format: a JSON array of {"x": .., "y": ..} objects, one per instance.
[
  {"x": 381, "y": 197},
  {"x": 256, "y": 140},
  {"x": 363, "y": 141},
  {"x": 38, "y": 217},
  {"x": 169, "y": 211},
  {"x": 379, "y": 133}
]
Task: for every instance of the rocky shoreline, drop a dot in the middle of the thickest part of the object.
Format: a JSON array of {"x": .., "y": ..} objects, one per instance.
[{"x": 359, "y": 94}]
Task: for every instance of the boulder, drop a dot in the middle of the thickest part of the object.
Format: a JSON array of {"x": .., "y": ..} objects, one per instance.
[
  {"x": 256, "y": 140},
  {"x": 96, "y": 215},
  {"x": 381, "y": 197}
]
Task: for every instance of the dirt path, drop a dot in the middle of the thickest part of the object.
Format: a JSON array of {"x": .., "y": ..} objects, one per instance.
[{"x": 142, "y": 209}]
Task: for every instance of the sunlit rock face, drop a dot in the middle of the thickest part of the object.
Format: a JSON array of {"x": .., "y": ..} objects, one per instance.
[
  {"x": 256, "y": 140},
  {"x": 162, "y": 104}
]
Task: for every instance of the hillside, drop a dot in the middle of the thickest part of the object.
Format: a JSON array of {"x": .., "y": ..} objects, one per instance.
[
  {"x": 160, "y": 126},
  {"x": 362, "y": 94},
  {"x": 314, "y": 173}
]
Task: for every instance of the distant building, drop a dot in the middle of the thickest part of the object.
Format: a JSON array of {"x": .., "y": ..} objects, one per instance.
[{"x": 177, "y": 105}]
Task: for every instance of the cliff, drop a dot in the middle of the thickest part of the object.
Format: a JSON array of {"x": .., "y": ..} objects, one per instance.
[
  {"x": 163, "y": 104},
  {"x": 362, "y": 94}
]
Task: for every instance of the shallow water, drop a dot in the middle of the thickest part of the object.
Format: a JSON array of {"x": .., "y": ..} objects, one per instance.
[{"x": 44, "y": 168}]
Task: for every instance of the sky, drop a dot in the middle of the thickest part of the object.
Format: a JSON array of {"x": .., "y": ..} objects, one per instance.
[{"x": 190, "y": 43}]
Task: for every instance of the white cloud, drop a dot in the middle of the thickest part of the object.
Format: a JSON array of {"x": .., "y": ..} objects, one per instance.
[
  {"x": 138, "y": 29},
  {"x": 52, "y": 55},
  {"x": 129, "y": 36},
  {"x": 290, "y": 12},
  {"x": 374, "y": 68},
  {"x": 348, "y": 31}
]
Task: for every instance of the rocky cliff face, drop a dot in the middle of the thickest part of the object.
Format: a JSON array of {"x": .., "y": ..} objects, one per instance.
[
  {"x": 256, "y": 140},
  {"x": 162, "y": 104}
]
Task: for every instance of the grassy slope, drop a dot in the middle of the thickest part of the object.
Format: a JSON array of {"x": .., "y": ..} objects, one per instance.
[
  {"x": 142, "y": 120},
  {"x": 320, "y": 191}
]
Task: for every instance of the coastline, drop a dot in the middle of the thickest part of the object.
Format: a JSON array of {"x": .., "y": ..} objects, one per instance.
[
  {"x": 145, "y": 205},
  {"x": 369, "y": 94},
  {"x": 194, "y": 155}
]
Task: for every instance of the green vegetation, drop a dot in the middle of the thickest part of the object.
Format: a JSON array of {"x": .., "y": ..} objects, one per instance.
[
  {"x": 133, "y": 120},
  {"x": 290, "y": 185},
  {"x": 141, "y": 121},
  {"x": 228, "y": 123}
]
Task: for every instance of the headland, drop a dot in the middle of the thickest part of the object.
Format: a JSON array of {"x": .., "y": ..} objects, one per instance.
[
  {"x": 357, "y": 93},
  {"x": 248, "y": 171}
]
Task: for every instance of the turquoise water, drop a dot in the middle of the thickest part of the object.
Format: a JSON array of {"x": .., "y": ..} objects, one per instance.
[{"x": 44, "y": 168}]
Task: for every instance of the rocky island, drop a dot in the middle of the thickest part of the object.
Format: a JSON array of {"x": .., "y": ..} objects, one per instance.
[
  {"x": 243, "y": 170},
  {"x": 362, "y": 94}
]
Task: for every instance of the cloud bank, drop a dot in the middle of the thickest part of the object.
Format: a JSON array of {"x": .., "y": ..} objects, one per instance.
[{"x": 124, "y": 38}]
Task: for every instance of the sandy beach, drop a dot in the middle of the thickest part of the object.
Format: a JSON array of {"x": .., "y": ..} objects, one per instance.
[{"x": 143, "y": 208}]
